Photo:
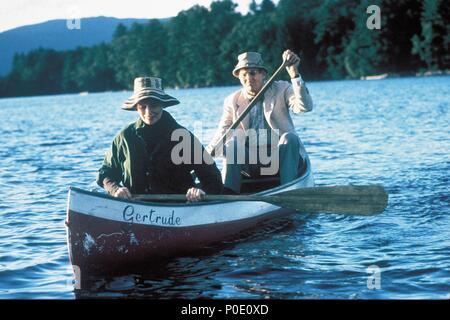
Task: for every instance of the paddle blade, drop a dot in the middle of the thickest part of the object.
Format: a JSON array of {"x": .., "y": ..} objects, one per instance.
[{"x": 357, "y": 200}]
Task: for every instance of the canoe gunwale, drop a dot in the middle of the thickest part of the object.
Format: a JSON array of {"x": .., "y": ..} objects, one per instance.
[{"x": 306, "y": 175}]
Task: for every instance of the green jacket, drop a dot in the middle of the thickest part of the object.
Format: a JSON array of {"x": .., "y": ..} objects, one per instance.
[{"x": 140, "y": 159}]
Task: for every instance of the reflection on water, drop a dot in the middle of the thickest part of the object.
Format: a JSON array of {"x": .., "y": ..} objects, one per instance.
[
  {"x": 188, "y": 278},
  {"x": 360, "y": 132},
  {"x": 178, "y": 278}
]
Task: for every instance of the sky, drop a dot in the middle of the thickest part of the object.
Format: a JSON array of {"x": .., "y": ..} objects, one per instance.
[{"x": 16, "y": 13}]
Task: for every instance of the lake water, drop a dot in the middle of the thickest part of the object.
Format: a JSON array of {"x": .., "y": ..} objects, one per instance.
[{"x": 394, "y": 132}]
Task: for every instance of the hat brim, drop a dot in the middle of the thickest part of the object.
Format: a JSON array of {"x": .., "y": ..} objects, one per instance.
[
  {"x": 165, "y": 99},
  {"x": 248, "y": 66}
]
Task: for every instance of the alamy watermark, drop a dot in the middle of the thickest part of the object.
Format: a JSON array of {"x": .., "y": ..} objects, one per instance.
[
  {"x": 249, "y": 147},
  {"x": 76, "y": 281},
  {"x": 374, "y": 278},
  {"x": 374, "y": 20},
  {"x": 74, "y": 18}
]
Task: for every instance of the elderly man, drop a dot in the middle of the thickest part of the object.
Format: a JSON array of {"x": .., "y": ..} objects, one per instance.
[
  {"x": 140, "y": 159},
  {"x": 270, "y": 115}
]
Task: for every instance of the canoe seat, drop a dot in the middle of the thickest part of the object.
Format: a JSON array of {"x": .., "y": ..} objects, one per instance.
[{"x": 252, "y": 185}]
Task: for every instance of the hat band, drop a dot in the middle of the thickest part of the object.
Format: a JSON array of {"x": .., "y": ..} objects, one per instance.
[
  {"x": 152, "y": 94},
  {"x": 149, "y": 94},
  {"x": 247, "y": 65}
]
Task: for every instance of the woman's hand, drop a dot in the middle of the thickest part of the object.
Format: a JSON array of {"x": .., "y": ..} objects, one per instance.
[
  {"x": 195, "y": 194},
  {"x": 122, "y": 192}
]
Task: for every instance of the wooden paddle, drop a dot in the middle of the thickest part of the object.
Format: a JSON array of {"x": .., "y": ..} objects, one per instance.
[
  {"x": 261, "y": 92},
  {"x": 353, "y": 200}
]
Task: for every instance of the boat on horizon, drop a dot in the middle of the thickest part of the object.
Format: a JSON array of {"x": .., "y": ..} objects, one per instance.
[{"x": 375, "y": 77}]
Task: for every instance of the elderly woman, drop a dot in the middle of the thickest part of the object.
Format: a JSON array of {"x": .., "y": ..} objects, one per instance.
[{"x": 140, "y": 158}]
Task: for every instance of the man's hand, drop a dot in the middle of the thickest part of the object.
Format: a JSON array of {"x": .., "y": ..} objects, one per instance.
[
  {"x": 293, "y": 62},
  {"x": 194, "y": 194},
  {"x": 123, "y": 193}
]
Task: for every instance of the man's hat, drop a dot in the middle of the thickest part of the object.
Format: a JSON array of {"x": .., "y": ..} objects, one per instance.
[
  {"x": 248, "y": 60},
  {"x": 149, "y": 88}
]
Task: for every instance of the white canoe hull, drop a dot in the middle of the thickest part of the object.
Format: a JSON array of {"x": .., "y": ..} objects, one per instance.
[{"x": 106, "y": 233}]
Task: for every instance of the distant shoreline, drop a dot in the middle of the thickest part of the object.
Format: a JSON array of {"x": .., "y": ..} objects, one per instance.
[
  {"x": 406, "y": 75},
  {"x": 377, "y": 77}
]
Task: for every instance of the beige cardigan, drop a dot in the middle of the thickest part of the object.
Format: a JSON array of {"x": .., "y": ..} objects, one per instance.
[{"x": 279, "y": 98}]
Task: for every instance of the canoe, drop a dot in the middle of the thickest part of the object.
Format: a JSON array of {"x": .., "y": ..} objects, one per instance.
[
  {"x": 375, "y": 77},
  {"x": 106, "y": 233}
]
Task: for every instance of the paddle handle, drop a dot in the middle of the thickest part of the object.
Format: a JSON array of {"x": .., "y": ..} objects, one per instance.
[{"x": 261, "y": 92}]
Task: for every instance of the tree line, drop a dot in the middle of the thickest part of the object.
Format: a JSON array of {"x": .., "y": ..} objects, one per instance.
[{"x": 199, "y": 47}]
